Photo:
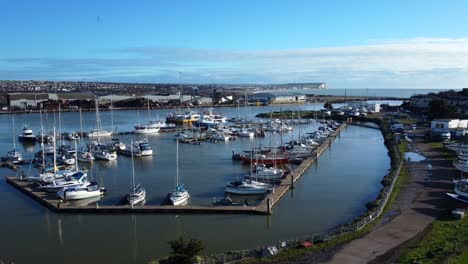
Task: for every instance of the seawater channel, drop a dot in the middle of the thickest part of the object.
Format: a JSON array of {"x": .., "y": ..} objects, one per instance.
[{"x": 331, "y": 193}]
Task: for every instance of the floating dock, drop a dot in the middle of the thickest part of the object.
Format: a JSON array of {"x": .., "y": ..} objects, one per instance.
[{"x": 264, "y": 207}]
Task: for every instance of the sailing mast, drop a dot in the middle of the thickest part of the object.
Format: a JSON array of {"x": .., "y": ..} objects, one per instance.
[
  {"x": 42, "y": 140},
  {"x": 177, "y": 163}
]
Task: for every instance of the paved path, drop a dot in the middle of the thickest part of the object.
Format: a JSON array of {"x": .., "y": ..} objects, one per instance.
[{"x": 419, "y": 204}]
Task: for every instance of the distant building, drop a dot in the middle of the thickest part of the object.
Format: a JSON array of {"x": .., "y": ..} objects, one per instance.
[
  {"x": 276, "y": 97},
  {"x": 26, "y": 100},
  {"x": 448, "y": 125},
  {"x": 35, "y": 100},
  {"x": 421, "y": 101}
]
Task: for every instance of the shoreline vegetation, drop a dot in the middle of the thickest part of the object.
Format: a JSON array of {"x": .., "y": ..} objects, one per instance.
[
  {"x": 324, "y": 246},
  {"x": 319, "y": 99}
]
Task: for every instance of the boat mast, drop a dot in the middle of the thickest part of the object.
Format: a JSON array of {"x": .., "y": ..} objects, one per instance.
[
  {"x": 42, "y": 140},
  {"x": 76, "y": 157},
  {"x": 81, "y": 125},
  {"x": 133, "y": 167},
  {"x": 60, "y": 125},
  {"x": 13, "y": 131},
  {"x": 149, "y": 117},
  {"x": 55, "y": 155},
  {"x": 98, "y": 126},
  {"x": 112, "y": 115},
  {"x": 177, "y": 162}
]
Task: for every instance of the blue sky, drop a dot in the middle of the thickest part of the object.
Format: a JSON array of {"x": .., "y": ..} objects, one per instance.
[{"x": 362, "y": 44}]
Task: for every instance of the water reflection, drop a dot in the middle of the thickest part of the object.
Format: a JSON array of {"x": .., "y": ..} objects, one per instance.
[
  {"x": 85, "y": 202},
  {"x": 59, "y": 230}
]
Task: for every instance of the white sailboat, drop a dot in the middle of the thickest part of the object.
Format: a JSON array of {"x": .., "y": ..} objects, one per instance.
[
  {"x": 137, "y": 193},
  {"x": 150, "y": 128},
  {"x": 81, "y": 192},
  {"x": 84, "y": 156},
  {"x": 13, "y": 156},
  {"x": 98, "y": 132},
  {"x": 48, "y": 177},
  {"x": 99, "y": 150},
  {"x": 247, "y": 187},
  {"x": 180, "y": 194}
]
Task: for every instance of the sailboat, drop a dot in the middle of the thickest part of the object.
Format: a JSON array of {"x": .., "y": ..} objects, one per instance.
[
  {"x": 149, "y": 128},
  {"x": 180, "y": 194},
  {"x": 98, "y": 132},
  {"x": 137, "y": 193},
  {"x": 461, "y": 190},
  {"x": 47, "y": 176},
  {"x": 99, "y": 150},
  {"x": 13, "y": 156},
  {"x": 82, "y": 155}
]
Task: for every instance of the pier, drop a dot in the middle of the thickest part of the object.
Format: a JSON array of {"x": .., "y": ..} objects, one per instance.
[
  {"x": 263, "y": 208},
  {"x": 288, "y": 182}
]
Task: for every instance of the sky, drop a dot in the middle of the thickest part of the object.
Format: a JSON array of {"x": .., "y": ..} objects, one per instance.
[{"x": 346, "y": 44}]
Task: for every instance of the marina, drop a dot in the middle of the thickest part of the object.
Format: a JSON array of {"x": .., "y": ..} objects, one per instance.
[
  {"x": 205, "y": 169},
  {"x": 264, "y": 207}
]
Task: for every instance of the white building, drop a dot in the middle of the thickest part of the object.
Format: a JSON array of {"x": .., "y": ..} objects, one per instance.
[
  {"x": 448, "y": 125},
  {"x": 273, "y": 97}
]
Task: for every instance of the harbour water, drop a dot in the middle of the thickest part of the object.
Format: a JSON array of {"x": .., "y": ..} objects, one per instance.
[
  {"x": 331, "y": 193},
  {"x": 394, "y": 92}
]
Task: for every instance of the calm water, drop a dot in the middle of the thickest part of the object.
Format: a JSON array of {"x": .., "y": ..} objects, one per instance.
[
  {"x": 330, "y": 193},
  {"x": 394, "y": 92}
]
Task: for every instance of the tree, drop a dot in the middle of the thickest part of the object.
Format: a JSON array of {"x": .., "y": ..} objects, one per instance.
[
  {"x": 184, "y": 252},
  {"x": 328, "y": 106},
  {"x": 439, "y": 109}
]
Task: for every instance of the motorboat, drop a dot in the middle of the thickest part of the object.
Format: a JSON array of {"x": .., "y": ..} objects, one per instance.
[
  {"x": 145, "y": 129},
  {"x": 101, "y": 152},
  {"x": 79, "y": 192},
  {"x": 179, "y": 196},
  {"x": 136, "y": 196},
  {"x": 262, "y": 172},
  {"x": 85, "y": 156},
  {"x": 76, "y": 179},
  {"x": 27, "y": 136},
  {"x": 143, "y": 148},
  {"x": 221, "y": 136},
  {"x": 13, "y": 156},
  {"x": 246, "y": 133},
  {"x": 99, "y": 133},
  {"x": 246, "y": 187}
]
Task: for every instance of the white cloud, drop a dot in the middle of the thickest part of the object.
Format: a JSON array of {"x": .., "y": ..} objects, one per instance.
[{"x": 417, "y": 62}]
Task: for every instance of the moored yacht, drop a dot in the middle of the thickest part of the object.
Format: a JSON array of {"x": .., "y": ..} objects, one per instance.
[{"x": 27, "y": 136}]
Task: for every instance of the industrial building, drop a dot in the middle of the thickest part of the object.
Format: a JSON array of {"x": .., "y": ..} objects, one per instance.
[
  {"x": 35, "y": 100},
  {"x": 277, "y": 97}
]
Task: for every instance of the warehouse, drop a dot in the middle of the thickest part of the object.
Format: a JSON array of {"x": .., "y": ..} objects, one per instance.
[{"x": 277, "y": 97}]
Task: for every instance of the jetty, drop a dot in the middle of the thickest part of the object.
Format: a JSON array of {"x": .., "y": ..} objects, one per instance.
[{"x": 52, "y": 202}]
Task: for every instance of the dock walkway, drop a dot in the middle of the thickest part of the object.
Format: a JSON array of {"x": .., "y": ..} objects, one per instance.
[{"x": 264, "y": 207}]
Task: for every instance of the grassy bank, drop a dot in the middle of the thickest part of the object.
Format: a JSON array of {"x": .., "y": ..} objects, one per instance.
[
  {"x": 446, "y": 242},
  {"x": 446, "y": 154}
]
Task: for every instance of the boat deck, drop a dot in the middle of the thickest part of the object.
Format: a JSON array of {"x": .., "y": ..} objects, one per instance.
[{"x": 264, "y": 207}]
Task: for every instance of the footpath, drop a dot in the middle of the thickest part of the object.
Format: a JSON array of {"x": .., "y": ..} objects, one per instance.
[{"x": 419, "y": 203}]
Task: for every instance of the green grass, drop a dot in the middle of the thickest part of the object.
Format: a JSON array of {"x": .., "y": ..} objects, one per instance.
[
  {"x": 446, "y": 242},
  {"x": 289, "y": 254},
  {"x": 403, "y": 147},
  {"x": 461, "y": 259},
  {"x": 407, "y": 121},
  {"x": 446, "y": 154},
  {"x": 403, "y": 179}
]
